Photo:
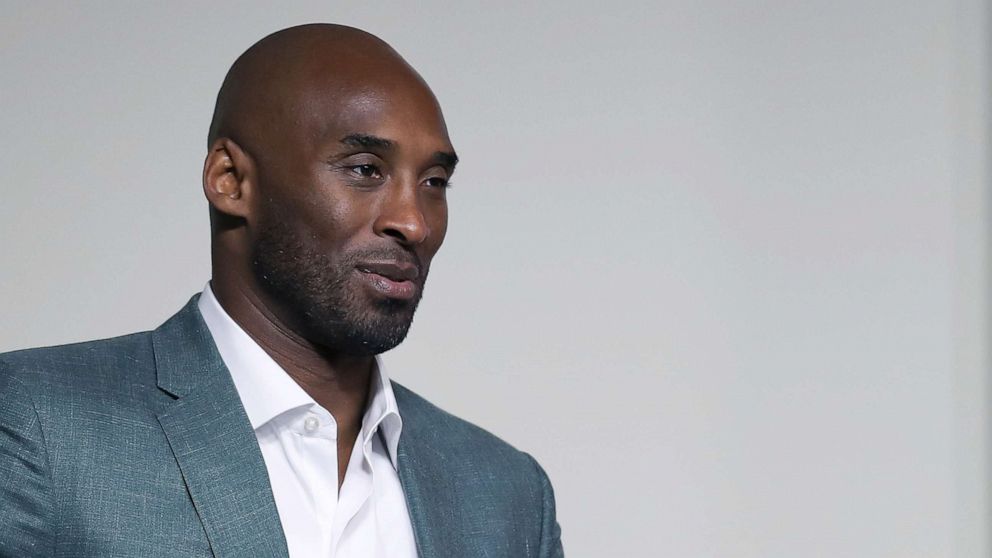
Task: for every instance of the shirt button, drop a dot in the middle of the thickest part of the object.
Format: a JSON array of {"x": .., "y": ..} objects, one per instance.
[{"x": 311, "y": 424}]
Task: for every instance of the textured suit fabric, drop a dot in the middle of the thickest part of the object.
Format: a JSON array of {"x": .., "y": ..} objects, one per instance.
[{"x": 139, "y": 446}]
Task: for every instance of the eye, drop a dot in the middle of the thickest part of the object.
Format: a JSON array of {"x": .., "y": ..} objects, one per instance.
[
  {"x": 437, "y": 182},
  {"x": 366, "y": 171}
]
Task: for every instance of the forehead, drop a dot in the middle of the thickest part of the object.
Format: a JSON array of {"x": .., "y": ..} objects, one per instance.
[{"x": 398, "y": 107}]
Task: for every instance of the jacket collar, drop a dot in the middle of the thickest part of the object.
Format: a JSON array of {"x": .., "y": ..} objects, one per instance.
[
  {"x": 213, "y": 442},
  {"x": 424, "y": 470}
]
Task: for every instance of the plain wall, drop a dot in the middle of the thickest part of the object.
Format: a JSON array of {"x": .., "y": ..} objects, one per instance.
[{"x": 720, "y": 266}]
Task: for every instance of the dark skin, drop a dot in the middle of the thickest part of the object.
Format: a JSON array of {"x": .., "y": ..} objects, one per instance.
[{"x": 325, "y": 131}]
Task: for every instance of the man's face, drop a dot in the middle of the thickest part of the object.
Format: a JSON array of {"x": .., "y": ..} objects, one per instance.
[{"x": 352, "y": 208}]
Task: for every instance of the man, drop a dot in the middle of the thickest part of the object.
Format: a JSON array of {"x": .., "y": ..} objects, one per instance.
[{"x": 258, "y": 420}]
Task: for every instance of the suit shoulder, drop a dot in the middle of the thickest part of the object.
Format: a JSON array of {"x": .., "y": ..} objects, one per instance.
[
  {"x": 457, "y": 436},
  {"x": 80, "y": 352},
  {"x": 92, "y": 363}
]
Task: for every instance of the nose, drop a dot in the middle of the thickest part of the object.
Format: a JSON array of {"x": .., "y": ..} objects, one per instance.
[{"x": 401, "y": 216}]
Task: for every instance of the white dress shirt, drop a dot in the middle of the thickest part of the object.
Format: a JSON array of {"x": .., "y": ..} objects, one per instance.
[{"x": 298, "y": 439}]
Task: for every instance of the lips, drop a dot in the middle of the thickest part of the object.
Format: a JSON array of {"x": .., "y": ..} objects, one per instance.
[
  {"x": 391, "y": 279},
  {"x": 395, "y": 271}
]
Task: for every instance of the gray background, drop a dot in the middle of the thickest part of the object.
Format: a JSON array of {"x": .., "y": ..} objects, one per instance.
[{"x": 720, "y": 266}]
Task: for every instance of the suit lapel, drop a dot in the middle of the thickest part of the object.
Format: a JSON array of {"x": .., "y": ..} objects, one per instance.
[
  {"x": 434, "y": 509},
  {"x": 425, "y": 526},
  {"x": 213, "y": 442}
]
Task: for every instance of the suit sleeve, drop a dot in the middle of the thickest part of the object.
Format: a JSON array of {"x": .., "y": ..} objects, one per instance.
[
  {"x": 25, "y": 488},
  {"x": 550, "y": 530}
]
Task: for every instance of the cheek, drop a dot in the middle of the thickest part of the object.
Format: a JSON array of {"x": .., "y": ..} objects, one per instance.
[
  {"x": 438, "y": 220},
  {"x": 333, "y": 215}
]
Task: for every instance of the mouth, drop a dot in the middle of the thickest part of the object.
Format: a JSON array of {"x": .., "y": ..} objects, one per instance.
[{"x": 391, "y": 279}]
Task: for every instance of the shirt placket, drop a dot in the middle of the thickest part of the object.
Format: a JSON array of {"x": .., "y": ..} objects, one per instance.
[
  {"x": 355, "y": 494},
  {"x": 317, "y": 433}
]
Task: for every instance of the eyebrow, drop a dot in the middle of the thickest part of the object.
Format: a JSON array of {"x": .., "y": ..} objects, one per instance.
[
  {"x": 445, "y": 159},
  {"x": 367, "y": 141}
]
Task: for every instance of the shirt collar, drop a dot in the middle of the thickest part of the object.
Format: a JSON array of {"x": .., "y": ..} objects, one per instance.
[{"x": 267, "y": 391}]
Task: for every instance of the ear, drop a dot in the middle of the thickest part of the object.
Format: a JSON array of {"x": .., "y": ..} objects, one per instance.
[{"x": 228, "y": 178}]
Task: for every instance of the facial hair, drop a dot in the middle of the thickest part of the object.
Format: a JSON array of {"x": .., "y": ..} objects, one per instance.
[{"x": 322, "y": 297}]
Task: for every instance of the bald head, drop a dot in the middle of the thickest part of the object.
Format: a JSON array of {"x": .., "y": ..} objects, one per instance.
[
  {"x": 326, "y": 176},
  {"x": 273, "y": 78}
]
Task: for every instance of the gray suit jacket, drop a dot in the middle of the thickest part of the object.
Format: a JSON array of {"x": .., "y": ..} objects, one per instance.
[{"x": 139, "y": 446}]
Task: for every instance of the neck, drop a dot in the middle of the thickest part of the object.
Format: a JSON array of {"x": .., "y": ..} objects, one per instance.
[{"x": 339, "y": 383}]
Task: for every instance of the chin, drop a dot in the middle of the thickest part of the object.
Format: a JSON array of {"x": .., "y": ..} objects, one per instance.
[{"x": 371, "y": 332}]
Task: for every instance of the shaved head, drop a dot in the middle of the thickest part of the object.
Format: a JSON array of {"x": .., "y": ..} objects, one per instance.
[
  {"x": 327, "y": 166},
  {"x": 271, "y": 76}
]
